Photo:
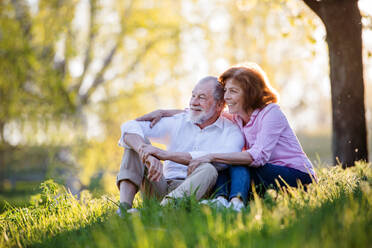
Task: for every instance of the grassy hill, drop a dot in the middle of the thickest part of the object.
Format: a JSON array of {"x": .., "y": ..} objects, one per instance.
[{"x": 335, "y": 212}]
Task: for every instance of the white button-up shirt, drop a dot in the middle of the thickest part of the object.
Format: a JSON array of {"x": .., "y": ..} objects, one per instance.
[{"x": 181, "y": 135}]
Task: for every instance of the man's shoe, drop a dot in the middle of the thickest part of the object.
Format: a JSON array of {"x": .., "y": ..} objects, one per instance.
[
  {"x": 166, "y": 200},
  {"x": 123, "y": 208},
  {"x": 132, "y": 210}
]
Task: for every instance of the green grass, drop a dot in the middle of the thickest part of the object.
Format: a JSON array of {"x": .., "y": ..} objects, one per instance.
[
  {"x": 18, "y": 196},
  {"x": 335, "y": 212}
]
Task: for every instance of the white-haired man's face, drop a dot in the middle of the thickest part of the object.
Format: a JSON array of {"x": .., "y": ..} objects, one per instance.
[{"x": 202, "y": 103}]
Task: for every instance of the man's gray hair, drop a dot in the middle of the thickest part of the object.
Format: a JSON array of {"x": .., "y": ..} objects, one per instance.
[{"x": 218, "y": 88}]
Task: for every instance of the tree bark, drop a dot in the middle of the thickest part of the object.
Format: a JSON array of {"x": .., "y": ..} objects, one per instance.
[{"x": 343, "y": 25}]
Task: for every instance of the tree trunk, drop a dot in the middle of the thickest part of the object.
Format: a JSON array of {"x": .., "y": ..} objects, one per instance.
[{"x": 343, "y": 25}]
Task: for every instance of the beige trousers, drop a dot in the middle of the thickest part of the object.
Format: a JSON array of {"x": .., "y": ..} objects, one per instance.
[{"x": 200, "y": 182}]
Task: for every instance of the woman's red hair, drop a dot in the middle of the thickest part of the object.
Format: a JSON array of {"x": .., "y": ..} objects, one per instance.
[{"x": 253, "y": 80}]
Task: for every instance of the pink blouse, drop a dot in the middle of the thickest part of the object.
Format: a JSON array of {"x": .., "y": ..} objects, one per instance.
[{"x": 270, "y": 139}]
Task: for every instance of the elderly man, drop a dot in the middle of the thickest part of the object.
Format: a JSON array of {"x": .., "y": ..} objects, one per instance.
[{"x": 198, "y": 132}]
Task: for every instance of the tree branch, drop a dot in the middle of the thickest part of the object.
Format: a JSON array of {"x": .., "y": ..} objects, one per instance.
[
  {"x": 138, "y": 58},
  {"x": 88, "y": 50},
  {"x": 98, "y": 80},
  {"x": 125, "y": 16},
  {"x": 144, "y": 51},
  {"x": 66, "y": 54},
  {"x": 22, "y": 16},
  {"x": 99, "y": 77},
  {"x": 91, "y": 37}
]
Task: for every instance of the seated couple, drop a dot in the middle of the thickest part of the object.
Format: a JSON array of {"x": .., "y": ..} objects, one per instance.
[{"x": 209, "y": 149}]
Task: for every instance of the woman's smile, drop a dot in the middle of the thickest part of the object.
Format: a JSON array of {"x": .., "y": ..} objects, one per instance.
[{"x": 234, "y": 97}]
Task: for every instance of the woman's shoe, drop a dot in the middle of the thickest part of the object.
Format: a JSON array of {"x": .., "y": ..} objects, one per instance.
[
  {"x": 237, "y": 205},
  {"x": 219, "y": 202}
]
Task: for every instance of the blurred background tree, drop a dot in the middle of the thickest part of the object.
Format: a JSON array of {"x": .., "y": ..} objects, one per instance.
[
  {"x": 71, "y": 71},
  {"x": 63, "y": 65}
]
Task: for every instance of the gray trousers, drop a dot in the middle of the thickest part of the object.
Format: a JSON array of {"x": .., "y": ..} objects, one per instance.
[{"x": 199, "y": 182}]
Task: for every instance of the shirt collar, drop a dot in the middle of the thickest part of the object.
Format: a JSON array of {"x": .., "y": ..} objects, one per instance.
[
  {"x": 239, "y": 120},
  {"x": 254, "y": 114},
  {"x": 219, "y": 122}
]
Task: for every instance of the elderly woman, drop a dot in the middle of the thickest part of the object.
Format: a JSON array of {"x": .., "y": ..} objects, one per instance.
[{"x": 272, "y": 154}]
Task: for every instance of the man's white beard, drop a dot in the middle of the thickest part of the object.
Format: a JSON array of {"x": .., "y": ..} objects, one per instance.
[{"x": 202, "y": 116}]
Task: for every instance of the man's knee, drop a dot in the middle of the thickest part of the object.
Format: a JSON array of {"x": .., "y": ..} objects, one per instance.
[
  {"x": 125, "y": 183},
  {"x": 134, "y": 177},
  {"x": 130, "y": 153},
  {"x": 131, "y": 168},
  {"x": 208, "y": 170}
]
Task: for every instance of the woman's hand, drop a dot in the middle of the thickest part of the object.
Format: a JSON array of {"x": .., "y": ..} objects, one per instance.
[{"x": 197, "y": 161}]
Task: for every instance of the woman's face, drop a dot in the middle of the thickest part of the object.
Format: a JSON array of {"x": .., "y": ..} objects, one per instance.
[{"x": 234, "y": 97}]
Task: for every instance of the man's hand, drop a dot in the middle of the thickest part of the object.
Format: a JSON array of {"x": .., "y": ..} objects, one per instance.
[
  {"x": 146, "y": 150},
  {"x": 153, "y": 116},
  {"x": 156, "y": 115},
  {"x": 155, "y": 169},
  {"x": 197, "y": 161}
]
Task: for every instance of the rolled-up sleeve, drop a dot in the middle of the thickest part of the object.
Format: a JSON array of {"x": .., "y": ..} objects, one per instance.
[
  {"x": 273, "y": 124},
  {"x": 133, "y": 127},
  {"x": 160, "y": 132}
]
